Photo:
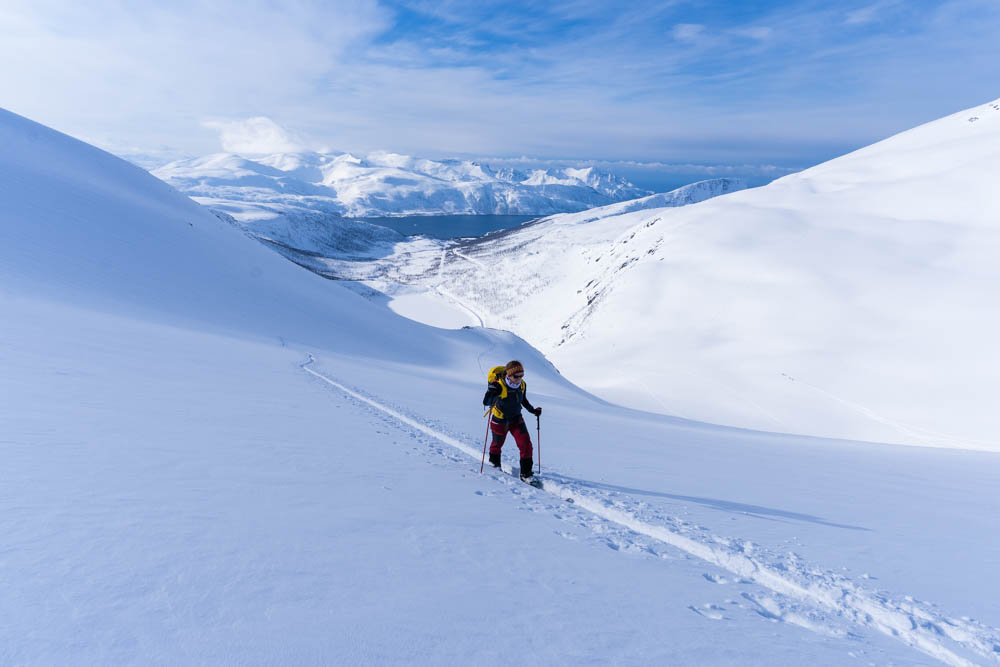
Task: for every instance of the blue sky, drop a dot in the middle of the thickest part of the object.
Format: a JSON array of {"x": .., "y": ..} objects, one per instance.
[{"x": 666, "y": 90}]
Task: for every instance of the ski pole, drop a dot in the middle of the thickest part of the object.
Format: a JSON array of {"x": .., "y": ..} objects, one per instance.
[
  {"x": 538, "y": 421},
  {"x": 482, "y": 464}
]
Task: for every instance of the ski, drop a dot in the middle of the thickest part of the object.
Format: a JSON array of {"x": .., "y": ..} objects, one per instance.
[
  {"x": 515, "y": 472},
  {"x": 532, "y": 481},
  {"x": 535, "y": 480}
]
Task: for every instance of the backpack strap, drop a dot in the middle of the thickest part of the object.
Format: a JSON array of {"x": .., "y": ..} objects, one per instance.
[
  {"x": 496, "y": 374},
  {"x": 503, "y": 394}
]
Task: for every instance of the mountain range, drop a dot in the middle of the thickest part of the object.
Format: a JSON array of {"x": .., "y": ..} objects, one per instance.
[{"x": 252, "y": 187}]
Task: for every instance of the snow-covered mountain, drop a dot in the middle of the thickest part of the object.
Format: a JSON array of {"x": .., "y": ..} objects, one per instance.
[
  {"x": 385, "y": 184},
  {"x": 345, "y": 249},
  {"x": 850, "y": 300},
  {"x": 213, "y": 456}
]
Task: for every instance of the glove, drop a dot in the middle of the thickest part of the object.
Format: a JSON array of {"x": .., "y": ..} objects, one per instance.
[{"x": 537, "y": 412}]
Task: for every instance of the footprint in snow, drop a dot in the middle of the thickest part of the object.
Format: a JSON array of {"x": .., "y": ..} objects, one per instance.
[{"x": 711, "y": 611}]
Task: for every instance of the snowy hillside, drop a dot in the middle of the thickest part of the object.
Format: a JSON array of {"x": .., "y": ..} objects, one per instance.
[
  {"x": 213, "y": 456},
  {"x": 387, "y": 261},
  {"x": 385, "y": 184},
  {"x": 850, "y": 300}
]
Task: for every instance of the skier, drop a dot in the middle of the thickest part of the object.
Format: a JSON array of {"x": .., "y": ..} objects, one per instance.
[{"x": 505, "y": 396}]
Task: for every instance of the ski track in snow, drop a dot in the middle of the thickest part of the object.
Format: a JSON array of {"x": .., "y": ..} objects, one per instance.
[
  {"x": 806, "y": 595},
  {"x": 444, "y": 255},
  {"x": 470, "y": 260},
  {"x": 450, "y": 297}
]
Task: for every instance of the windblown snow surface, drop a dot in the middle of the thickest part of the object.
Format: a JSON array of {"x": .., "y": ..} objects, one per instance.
[
  {"x": 213, "y": 456},
  {"x": 253, "y": 187},
  {"x": 853, "y": 300}
]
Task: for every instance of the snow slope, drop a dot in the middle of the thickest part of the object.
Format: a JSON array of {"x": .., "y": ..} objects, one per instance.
[
  {"x": 204, "y": 466},
  {"x": 384, "y": 184},
  {"x": 851, "y": 300}
]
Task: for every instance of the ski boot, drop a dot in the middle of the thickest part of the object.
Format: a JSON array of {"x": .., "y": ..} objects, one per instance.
[{"x": 528, "y": 473}]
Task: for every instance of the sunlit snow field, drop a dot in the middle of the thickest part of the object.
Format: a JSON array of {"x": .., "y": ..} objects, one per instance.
[{"x": 212, "y": 455}]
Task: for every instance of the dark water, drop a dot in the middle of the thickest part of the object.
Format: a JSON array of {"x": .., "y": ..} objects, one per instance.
[{"x": 451, "y": 226}]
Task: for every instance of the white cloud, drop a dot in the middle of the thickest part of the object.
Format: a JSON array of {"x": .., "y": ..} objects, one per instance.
[
  {"x": 760, "y": 33},
  {"x": 687, "y": 32},
  {"x": 154, "y": 70},
  {"x": 255, "y": 136},
  {"x": 869, "y": 13},
  {"x": 359, "y": 76}
]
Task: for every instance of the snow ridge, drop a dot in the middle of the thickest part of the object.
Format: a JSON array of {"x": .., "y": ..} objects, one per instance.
[{"x": 914, "y": 623}]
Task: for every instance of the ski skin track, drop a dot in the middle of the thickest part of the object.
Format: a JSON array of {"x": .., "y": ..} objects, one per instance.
[{"x": 909, "y": 623}]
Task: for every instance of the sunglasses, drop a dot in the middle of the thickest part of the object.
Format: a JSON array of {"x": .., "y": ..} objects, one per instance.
[{"x": 517, "y": 375}]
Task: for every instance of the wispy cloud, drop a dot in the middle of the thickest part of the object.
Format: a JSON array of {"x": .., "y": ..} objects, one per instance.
[
  {"x": 115, "y": 67},
  {"x": 687, "y": 32},
  {"x": 870, "y": 13},
  {"x": 756, "y": 32},
  {"x": 785, "y": 83}
]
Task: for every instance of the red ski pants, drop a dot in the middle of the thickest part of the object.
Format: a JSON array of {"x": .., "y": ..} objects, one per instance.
[{"x": 517, "y": 429}]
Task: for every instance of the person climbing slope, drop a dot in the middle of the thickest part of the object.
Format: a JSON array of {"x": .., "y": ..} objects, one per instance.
[{"x": 506, "y": 394}]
